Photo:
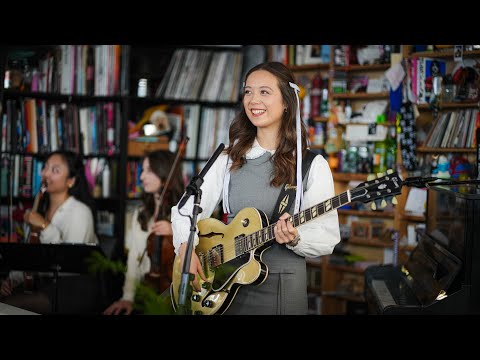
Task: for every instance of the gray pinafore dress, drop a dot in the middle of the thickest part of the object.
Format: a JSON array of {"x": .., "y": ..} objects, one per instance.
[{"x": 284, "y": 292}]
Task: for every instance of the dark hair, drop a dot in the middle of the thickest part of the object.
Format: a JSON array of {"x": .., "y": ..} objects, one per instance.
[
  {"x": 161, "y": 162},
  {"x": 244, "y": 132},
  {"x": 80, "y": 188}
]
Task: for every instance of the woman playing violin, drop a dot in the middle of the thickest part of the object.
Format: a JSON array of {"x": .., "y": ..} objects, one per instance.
[
  {"x": 64, "y": 216},
  {"x": 152, "y": 217}
]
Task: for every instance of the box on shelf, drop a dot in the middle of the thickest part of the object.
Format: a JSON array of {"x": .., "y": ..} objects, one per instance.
[{"x": 141, "y": 146}]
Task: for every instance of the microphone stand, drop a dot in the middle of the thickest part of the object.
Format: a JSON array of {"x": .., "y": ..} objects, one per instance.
[
  {"x": 193, "y": 188},
  {"x": 422, "y": 182}
]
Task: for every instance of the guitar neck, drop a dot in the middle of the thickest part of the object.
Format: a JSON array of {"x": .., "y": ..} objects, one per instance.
[{"x": 259, "y": 238}]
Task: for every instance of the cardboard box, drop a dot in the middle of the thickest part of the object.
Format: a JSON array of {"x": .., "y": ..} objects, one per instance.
[{"x": 140, "y": 148}]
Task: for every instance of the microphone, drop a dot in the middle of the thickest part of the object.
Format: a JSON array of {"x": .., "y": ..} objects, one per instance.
[
  {"x": 197, "y": 181},
  {"x": 422, "y": 182},
  {"x": 418, "y": 181}
]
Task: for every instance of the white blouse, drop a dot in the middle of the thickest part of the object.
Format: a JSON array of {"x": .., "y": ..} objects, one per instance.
[
  {"x": 72, "y": 223},
  {"x": 135, "y": 243}
]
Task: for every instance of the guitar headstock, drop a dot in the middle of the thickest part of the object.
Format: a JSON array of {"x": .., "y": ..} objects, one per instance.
[{"x": 385, "y": 185}]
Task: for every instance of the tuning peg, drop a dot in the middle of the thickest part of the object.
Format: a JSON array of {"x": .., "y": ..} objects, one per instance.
[
  {"x": 371, "y": 177},
  {"x": 390, "y": 171},
  {"x": 374, "y": 206},
  {"x": 394, "y": 200},
  {"x": 383, "y": 204}
]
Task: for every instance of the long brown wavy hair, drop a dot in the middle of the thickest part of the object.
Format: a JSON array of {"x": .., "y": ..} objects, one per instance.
[
  {"x": 242, "y": 132},
  {"x": 161, "y": 162}
]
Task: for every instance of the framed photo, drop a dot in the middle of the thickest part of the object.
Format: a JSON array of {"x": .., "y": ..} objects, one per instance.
[
  {"x": 313, "y": 54},
  {"x": 360, "y": 230},
  {"x": 458, "y": 53},
  {"x": 376, "y": 231}
]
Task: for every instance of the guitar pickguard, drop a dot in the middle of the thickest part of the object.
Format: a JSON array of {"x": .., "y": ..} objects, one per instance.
[{"x": 225, "y": 272}]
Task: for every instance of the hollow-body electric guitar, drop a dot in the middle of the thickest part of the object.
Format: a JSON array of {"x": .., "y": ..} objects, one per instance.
[{"x": 231, "y": 255}]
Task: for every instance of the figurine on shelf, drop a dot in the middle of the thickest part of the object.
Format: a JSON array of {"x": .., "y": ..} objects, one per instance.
[{"x": 441, "y": 170}]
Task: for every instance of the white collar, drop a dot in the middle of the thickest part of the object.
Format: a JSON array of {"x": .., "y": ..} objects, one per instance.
[{"x": 256, "y": 151}]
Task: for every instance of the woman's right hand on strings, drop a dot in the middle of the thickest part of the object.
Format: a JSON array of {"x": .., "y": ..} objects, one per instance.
[
  {"x": 119, "y": 307},
  {"x": 195, "y": 266}
]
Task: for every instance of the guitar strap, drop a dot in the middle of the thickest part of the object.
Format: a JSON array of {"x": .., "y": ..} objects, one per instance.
[{"x": 287, "y": 193}]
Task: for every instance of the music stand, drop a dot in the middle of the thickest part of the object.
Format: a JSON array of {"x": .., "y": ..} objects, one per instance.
[{"x": 55, "y": 258}]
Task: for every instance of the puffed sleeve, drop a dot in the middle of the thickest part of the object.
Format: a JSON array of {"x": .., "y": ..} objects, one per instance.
[
  {"x": 318, "y": 236},
  {"x": 211, "y": 195}
]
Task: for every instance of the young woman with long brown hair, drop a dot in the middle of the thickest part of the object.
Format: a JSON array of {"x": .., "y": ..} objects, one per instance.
[{"x": 267, "y": 144}]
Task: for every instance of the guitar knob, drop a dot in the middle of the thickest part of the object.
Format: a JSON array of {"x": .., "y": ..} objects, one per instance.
[
  {"x": 196, "y": 298},
  {"x": 208, "y": 303}
]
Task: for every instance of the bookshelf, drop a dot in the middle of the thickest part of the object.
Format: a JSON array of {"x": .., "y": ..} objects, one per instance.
[
  {"x": 435, "y": 113},
  {"x": 48, "y": 105},
  {"x": 128, "y": 65},
  {"x": 200, "y": 84},
  {"x": 344, "y": 77}
]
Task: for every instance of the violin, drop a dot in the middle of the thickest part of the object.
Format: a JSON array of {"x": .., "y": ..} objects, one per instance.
[
  {"x": 160, "y": 249},
  {"x": 162, "y": 255}
]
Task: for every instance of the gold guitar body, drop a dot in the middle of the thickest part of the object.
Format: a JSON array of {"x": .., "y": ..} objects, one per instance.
[
  {"x": 231, "y": 255},
  {"x": 218, "y": 250}
]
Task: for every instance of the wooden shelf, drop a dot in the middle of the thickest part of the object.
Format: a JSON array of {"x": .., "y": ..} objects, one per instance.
[
  {"x": 349, "y": 177},
  {"x": 59, "y": 97},
  {"x": 8, "y": 93},
  {"x": 313, "y": 290},
  {"x": 163, "y": 101},
  {"x": 443, "y": 54},
  {"x": 317, "y": 146},
  {"x": 320, "y": 119},
  {"x": 450, "y": 105},
  {"x": 374, "y": 243},
  {"x": 345, "y": 296},
  {"x": 360, "y": 124},
  {"x": 361, "y": 96},
  {"x": 407, "y": 247},
  {"x": 416, "y": 218},
  {"x": 357, "y": 67},
  {"x": 309, "y": 67},
  {"x": 316, "y": 264},
  {"x": 367, "y": 213},
  {"x": 346, "y": 268},
  {"x": 424, "y": 149}
]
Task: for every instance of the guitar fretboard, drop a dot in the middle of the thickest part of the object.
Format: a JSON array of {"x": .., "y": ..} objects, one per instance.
[{"x": 258, "y": 238}]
